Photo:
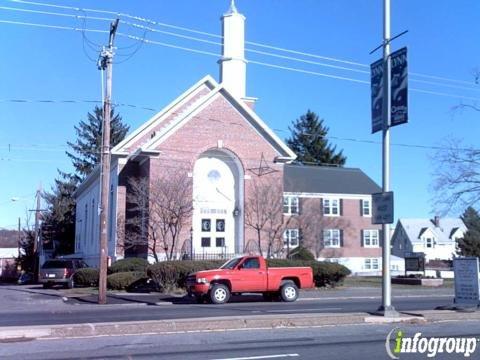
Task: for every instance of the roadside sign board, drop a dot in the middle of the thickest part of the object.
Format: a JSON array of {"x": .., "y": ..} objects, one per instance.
[
  {"x": 382, "y": 208},
  {"x": 398, "y": 93},
  {"x": 466, "y": 281},
  {"x": 399, "y": 76},
  {"x": 415, "y": 262}
]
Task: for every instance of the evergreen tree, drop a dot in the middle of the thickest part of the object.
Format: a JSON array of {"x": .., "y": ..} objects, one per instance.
[
  {"x": 308, "y": 141},
  {"x": 86, "y": 150},
  {"x": 470, "y": 244},
  {"x": 59, "y": 220}
]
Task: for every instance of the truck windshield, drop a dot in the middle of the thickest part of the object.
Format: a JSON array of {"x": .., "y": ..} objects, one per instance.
[{"x": 230, "y": 264}]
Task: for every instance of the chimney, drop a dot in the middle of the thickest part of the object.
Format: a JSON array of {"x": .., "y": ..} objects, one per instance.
[
  {"x": 233, "y": 66},
  {"x": 436, "y": 221}
]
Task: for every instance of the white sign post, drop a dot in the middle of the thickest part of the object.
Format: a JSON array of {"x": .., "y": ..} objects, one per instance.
[{"x": 466, "y": 272}]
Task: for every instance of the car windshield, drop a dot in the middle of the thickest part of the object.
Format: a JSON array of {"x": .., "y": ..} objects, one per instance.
[
  {"x": 55, "y": 264},
  {"x": 230, "y": 264}
]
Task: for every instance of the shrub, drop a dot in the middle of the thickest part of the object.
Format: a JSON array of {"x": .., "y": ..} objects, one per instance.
[
  {"x": 129, "y": 264},
  {"x": 301, "y": 253},
  {"x": 121, "y": 280},
  {"x": 324, "y": 273},
  {"x": 173, "y": 274},
  {"x": 86, "y": 277}
]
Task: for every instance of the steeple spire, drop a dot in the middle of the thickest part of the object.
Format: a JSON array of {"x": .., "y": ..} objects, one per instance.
[
  {"x": 233, "y": 63},
  {"x": 232, "y": 9}
]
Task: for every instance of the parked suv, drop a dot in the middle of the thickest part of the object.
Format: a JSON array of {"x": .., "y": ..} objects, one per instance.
[{"x": 60, "y": 271}]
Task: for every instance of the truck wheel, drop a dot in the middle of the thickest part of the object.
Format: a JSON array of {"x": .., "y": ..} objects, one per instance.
[
  {"x": 288, "y": 291},
  {"x": 219, "y": 294}
]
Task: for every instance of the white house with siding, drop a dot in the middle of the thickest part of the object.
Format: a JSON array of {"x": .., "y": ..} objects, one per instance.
[{"x": 436, "y": 237}]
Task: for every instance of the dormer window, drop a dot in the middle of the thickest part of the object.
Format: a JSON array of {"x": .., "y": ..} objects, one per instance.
[{"x": 429, "y": 242}]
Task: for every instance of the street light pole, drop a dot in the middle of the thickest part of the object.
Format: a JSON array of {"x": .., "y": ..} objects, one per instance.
[{"x": 387, "y": 308}]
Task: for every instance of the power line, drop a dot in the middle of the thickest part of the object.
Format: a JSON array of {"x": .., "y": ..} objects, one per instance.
[
  {"x": 117, "y": 104},
  {"x": 251, "y": 61},
  {"x": 146, "y": 28},
  {"x": 271, "y": 47}
]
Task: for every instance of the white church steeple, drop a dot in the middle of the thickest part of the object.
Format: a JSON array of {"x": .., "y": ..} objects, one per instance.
[{"x": 233, "y": 66}]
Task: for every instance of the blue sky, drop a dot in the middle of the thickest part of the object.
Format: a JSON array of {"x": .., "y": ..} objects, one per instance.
[{"x": 52, "y": 64}]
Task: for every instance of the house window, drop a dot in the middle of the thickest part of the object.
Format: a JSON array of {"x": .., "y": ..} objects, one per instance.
[
  {"x": 290, "y": 238},
  {"x": 331, "y": 207},
  {"x": 370, "y": 238},
  {"x": 220, "y": 225},
  {"x": 366, "y": 208},
  {"x": 85, "y": 227},
  {"x": 429, "y": 243},
  {"x": 220, "y": 242},
  {"x": 371, "y": 264},
  {"x": 206, "y": 225},
  {"x": 205, "y": 242},
  {"x": 290, "y": 205},
  {"x": 331, "y": 238},
  {"x": 93, "y": 221}
]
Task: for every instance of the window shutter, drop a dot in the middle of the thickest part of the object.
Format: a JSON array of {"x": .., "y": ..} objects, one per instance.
[
  {"x": 340, "y": 205},
  {"x": 341, "y": 237},
  {"x": 380, "y": 237},
  {"x": 361, "y": 207},
  {"x": 300, "y": 237},
  {"x": 321, "y": 207},
  {"x": 362, "y": 244},
  {"x": 299, "y": 205}
]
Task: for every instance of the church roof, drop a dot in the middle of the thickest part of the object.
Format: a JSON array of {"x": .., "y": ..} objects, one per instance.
[
  {"x": 148, "y": 136},
  {"x": 327, "y": 180}
]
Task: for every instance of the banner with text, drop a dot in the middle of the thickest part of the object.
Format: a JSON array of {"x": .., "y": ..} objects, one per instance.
[
  {"x": 398, "y": 87},
  {"x": 399, "y": 76}
]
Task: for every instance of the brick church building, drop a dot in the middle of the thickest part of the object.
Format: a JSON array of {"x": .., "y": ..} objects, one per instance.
[{"x": 211, "y": 141}]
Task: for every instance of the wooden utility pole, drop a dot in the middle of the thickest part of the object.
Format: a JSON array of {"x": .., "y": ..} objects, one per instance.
[
  {"x": 36, "y": 258},
  {"x": 19, "y": 237},
  {"x": 105, "y": 64}
]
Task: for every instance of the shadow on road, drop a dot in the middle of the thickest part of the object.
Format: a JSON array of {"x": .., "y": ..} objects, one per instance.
[{"x": 155, "y": 299}]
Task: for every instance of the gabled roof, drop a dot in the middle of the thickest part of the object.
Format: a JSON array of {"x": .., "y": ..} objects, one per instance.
[
  {"x": 182, "y": 109},
  {"x": 207, "y": 82},
  {"x": 415, "y": 228},
  {"x": 327, "y": 180}
]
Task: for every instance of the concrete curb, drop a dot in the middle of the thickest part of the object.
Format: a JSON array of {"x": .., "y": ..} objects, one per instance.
[
  {"x": 178, "y": 325},
  {"x": 222, "y": 324}
]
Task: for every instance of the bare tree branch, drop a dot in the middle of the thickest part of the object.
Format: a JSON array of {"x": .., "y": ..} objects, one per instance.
[{"x": 162, "y": 207}]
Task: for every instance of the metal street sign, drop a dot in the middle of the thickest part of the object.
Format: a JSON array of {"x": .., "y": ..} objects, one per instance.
[
  {"x": 399, "y": 90},
  {"x": 399, "y": 75},
  {"x": 466, "y": 281},
  {"x": 382, "y": 208},
  {"x": 376, "y": 83}
]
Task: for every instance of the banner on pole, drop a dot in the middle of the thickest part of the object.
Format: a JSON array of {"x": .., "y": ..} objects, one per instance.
[
  {"x": 398, "y": 90},
  {"x": 376, "y": 83},
  {"x": 399, "y": 95}
]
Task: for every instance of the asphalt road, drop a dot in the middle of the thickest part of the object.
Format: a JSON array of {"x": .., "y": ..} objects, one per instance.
[
  {"x": 253, "y": 305},
  {"x": 332, "y": 342}
]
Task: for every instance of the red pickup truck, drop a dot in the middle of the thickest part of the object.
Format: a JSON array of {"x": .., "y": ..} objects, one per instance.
[{"x": 248, "y": 274}]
